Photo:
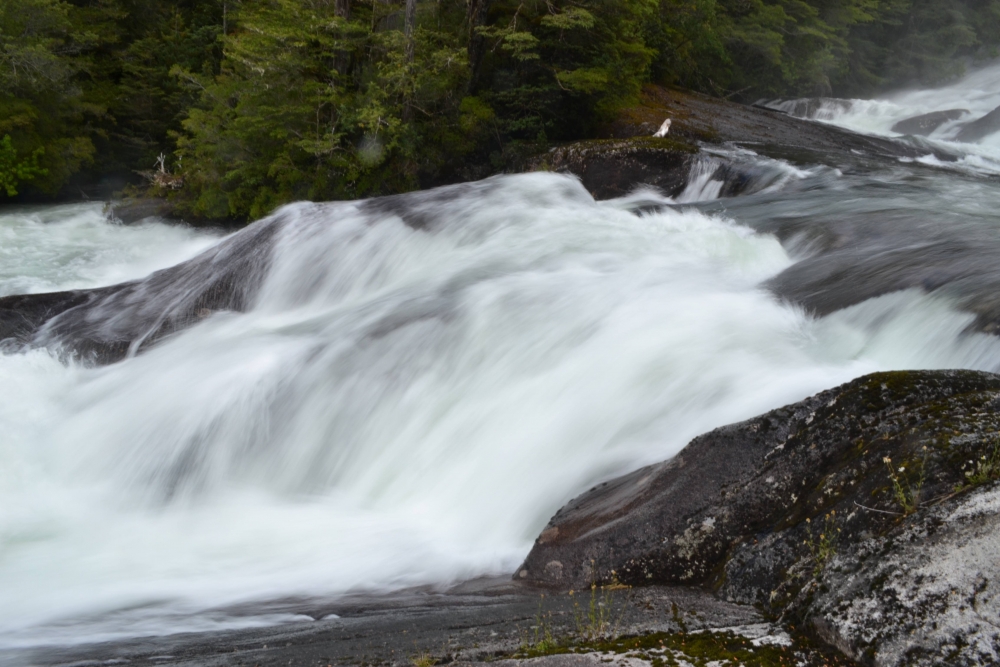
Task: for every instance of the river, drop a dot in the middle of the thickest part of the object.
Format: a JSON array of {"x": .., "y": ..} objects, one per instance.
[{"x": 408, "y": 406}]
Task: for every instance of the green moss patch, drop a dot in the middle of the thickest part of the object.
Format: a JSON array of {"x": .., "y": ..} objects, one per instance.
[{"x": 701, "y": 649}]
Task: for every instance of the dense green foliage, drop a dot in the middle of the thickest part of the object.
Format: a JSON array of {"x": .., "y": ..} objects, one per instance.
[
  {"x": 85, "y": 86},
  {"x": 257, "y": 102}
]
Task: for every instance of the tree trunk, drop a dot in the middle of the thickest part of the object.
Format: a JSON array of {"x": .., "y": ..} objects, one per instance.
[
  {"x": 476, "y": 18},
  {"x": 343, "y": 9},
  {"x": 409, "y": 25}
]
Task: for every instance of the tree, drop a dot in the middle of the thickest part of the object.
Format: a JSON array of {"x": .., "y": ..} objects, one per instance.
[
  {"x": 42, "y": 113},
  {"x": 15, "y": 170},
  {"x": 311, "y": 105}
]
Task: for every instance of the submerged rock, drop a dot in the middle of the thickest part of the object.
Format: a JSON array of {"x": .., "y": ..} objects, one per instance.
[
  {"x": 135, "y": 209},
  {"x": 980, "y": 128},
  {"x": 866, "y": 511},
  {"x": 926, "y": 123}
]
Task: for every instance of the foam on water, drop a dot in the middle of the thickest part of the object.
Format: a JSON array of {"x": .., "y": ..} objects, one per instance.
[
  {"x": 72, "y": 246},
  {"x": 978, "y": 92},
  {"x": 401, "y": 407}
]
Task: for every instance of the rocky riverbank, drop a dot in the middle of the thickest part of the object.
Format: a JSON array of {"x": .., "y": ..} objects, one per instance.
[
  {"x": 477, "y": 622},
  {"x": 867, "y": 513}
]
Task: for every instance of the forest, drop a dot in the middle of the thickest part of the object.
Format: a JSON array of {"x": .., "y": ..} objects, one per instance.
[{"x": 232, "y": 107}]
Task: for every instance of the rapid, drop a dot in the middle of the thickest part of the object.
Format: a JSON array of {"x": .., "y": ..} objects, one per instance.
[{"x": 407, "y": 404}]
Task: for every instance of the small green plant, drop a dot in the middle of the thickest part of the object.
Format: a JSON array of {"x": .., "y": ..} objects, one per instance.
[
  {"x": 599, "y": 619},
  {"x": 985, "y": 469},
  {"x": 542, "y": 639},
  {"x": 423, "y": 660},
  {"x": 906, "y": 490},
  {"x": 15, "y": 169},
  {"x": 824, "y": 547}
]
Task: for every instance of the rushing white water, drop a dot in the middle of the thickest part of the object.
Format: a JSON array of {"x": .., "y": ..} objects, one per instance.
[
  {"x": 401, "y": 406},
  {"x": 72, "y": 246},
  {"x": 978, "y": 93},
  {"x": 759, "y": 174}
]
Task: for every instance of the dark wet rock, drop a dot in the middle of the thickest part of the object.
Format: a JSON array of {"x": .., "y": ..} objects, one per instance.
[
  {"x": 926, "y": 123},
  {"x": 701, "y": 119},
  {"x": 980, "y": 128},
  {"x": 874, "y": 245},
  {"x": 795, "y": 512},
  {"x": 22, "y": 315},
  {"x": 472, "y": 626},
  {"x": 135, "y": 209},
  {"x": 614, "y": 167},
  {"x": 630, "y": 157},
  {"x": 843, "y": 275}
]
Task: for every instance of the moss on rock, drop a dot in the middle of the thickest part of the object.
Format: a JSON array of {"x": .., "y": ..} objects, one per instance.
[{"x": 782, "y": 510}]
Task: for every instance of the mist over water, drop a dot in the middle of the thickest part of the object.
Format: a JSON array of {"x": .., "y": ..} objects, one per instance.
[{"x": 408, "y": 406}]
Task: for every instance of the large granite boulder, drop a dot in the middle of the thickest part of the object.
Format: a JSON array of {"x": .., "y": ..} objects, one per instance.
[
  {"x": 925, "y": 593},
  {"x": 866, "y": 512},
  {"x": 615, "y": 167}
]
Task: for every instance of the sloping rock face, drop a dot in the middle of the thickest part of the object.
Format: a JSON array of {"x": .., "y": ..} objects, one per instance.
[
  {"x": 855, "y": 256},
  {"x": 798, "y": 512},
  {"x": 980, "y": 128},
  {"x": 703, "y": 119},
  {"x": 926, "y": 123},
  {"x": 628, "y": 156}
]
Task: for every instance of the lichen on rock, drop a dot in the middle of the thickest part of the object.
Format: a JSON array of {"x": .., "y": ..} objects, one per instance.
[{"x": 852, "y": 513}]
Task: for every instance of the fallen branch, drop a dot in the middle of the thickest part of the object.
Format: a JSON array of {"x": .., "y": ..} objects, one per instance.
[{"x": 872, "y": 509}]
